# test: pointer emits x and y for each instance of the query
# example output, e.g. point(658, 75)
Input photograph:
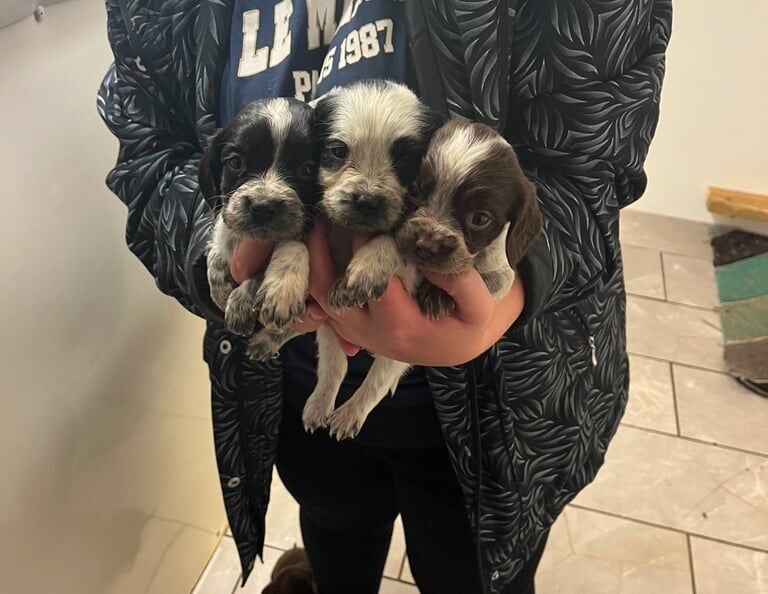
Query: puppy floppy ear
point(322, 111)
point(433, 121)
point(525, 221)
point(209, 173)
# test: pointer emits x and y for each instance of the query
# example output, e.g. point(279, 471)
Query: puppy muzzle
point(363, 212)
point(267, 210)
point(433, 245)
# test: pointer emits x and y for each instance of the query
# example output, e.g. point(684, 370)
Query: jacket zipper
point(477, 445)
point(582, 319)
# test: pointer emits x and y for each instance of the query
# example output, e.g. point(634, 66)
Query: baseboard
point(736, 204)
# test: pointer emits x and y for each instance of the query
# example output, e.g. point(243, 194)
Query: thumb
point(250, 257)
point(350, 350)
point(474, 303)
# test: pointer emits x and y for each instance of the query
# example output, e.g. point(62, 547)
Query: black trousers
point(349, 496)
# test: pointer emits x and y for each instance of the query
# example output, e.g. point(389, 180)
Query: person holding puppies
point(511, 403)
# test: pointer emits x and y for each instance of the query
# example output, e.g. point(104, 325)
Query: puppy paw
point(346, 294)
point(220, 292)
point(239, 314)
point(347, 420)
point(317, 411)
point(434, 302)
point(263, 346)
point(279, 303)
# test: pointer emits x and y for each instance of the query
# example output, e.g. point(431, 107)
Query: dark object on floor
point(741, 268)
point(738, 245)
point(292, 574)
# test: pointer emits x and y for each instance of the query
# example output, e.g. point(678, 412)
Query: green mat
point(745, 279)
point(741, 270)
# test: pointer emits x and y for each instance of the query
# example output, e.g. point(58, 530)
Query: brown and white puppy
point(259, 175)
point(471, 207)
point(373, 136)
point(292, 574)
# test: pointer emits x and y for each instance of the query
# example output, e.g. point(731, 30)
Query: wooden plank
point(743, 205)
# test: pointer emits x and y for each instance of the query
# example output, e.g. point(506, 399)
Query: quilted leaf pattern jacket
point(575, 87)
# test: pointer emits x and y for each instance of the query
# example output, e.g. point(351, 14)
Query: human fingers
point(250, 257)
point(350, 349)
point(397, 303)
point(312, 319)
point(474, 303)
point(322, 271)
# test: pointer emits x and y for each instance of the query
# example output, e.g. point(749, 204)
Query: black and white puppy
point(471, 207)
point(373, 136)
point(259, 174)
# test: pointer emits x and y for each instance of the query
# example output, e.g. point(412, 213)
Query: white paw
point(347, 293)
point(317, 411)
point(262, 346)
point(347, 420)
point(220, 292)
point(280, 303)
point(239, 314)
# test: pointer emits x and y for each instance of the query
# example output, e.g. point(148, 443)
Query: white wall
point(714, 110)
point(107, 472)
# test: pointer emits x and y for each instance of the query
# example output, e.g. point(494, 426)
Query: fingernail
point(317, 317)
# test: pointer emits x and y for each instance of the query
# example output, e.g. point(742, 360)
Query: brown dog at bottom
point(292, 574)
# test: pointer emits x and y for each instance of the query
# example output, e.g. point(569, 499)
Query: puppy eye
point(414, 190)
point(308, 170)
point(479, 220)
point(339, 150)
point(235, 162)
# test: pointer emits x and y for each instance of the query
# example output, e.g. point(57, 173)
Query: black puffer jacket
point(575, 87)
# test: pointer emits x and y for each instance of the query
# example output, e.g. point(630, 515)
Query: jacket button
point(495, 576)
point(225, 347)
point(467, 451)
point(234, 482)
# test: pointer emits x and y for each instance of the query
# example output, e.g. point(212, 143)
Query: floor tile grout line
point(199, 579)
point(663, 276)
point(697, 440)
point(668, 528)
point(399, 577)
point(398, 580)
point(708, 259)
point(402, 567)
point(275, 548)
point(674, 397)
point(676, 303)
point(189, 525)
point(678, 363)
point(690, 562)
point(625, 244)
point(237, 583)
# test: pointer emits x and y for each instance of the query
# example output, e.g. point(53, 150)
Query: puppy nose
point(367, 203)
point(432, 245)
point(262, 210)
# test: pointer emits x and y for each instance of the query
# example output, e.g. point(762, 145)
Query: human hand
point(250, 258)
point(395, 327)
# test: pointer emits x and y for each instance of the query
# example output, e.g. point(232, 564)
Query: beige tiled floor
point(681, 505)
